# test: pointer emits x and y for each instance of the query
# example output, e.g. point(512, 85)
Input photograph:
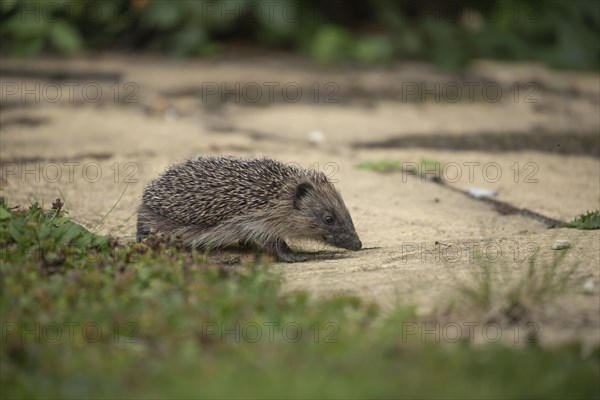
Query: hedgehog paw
point(284, 253)
point(292, 257)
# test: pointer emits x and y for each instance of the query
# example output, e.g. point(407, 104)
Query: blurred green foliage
point(84, 317)
point(449, 33)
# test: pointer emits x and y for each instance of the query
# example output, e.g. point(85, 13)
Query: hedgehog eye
point(328, 219)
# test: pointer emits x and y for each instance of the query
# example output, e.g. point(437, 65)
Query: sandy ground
point(94, 131)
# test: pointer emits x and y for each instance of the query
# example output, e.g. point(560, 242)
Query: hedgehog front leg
point(284, 253)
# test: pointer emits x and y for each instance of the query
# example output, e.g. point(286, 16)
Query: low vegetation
point(86, 317)
point(425, 169)
point(588, 220)
point(509, 296)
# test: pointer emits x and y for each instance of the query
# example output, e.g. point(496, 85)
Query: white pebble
point(316, 137)
point(560, 245)
point(170, 114)
point(588, 286)
point(480, 193)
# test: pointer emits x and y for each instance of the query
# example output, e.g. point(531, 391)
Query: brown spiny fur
point(221, 201)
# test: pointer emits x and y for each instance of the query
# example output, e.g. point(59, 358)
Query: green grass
point(156, 321)
point(424, 168)
point(588, 220)
point(380, 166)
point(510, 297)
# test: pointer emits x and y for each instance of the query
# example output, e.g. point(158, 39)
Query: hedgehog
point(222, 201)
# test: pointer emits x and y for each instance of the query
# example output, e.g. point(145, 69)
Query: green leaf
point(68, 232)
point(44, 231)
point(162, 15)
point(4, 214)
point(331, 43)
point(27, 25)
point(65, 38)
point(188, 41)
point(16, 230)
point(26, 47)
point(373, 49)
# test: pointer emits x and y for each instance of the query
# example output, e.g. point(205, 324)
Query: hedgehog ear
point(301, 190)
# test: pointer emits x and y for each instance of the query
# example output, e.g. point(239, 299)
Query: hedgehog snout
point(350, 241)
point(356, 245)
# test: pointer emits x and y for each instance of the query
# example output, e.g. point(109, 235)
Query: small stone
point(316, 137)
point(170, 114)
point(560, 245)
point(588, 286)
point(480, 193)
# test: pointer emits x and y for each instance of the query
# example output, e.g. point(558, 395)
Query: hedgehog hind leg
point(284, 253)
point(150, 222)
point(146, 221)
point(142, 231)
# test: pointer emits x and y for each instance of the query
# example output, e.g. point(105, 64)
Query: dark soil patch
point(587, 144)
